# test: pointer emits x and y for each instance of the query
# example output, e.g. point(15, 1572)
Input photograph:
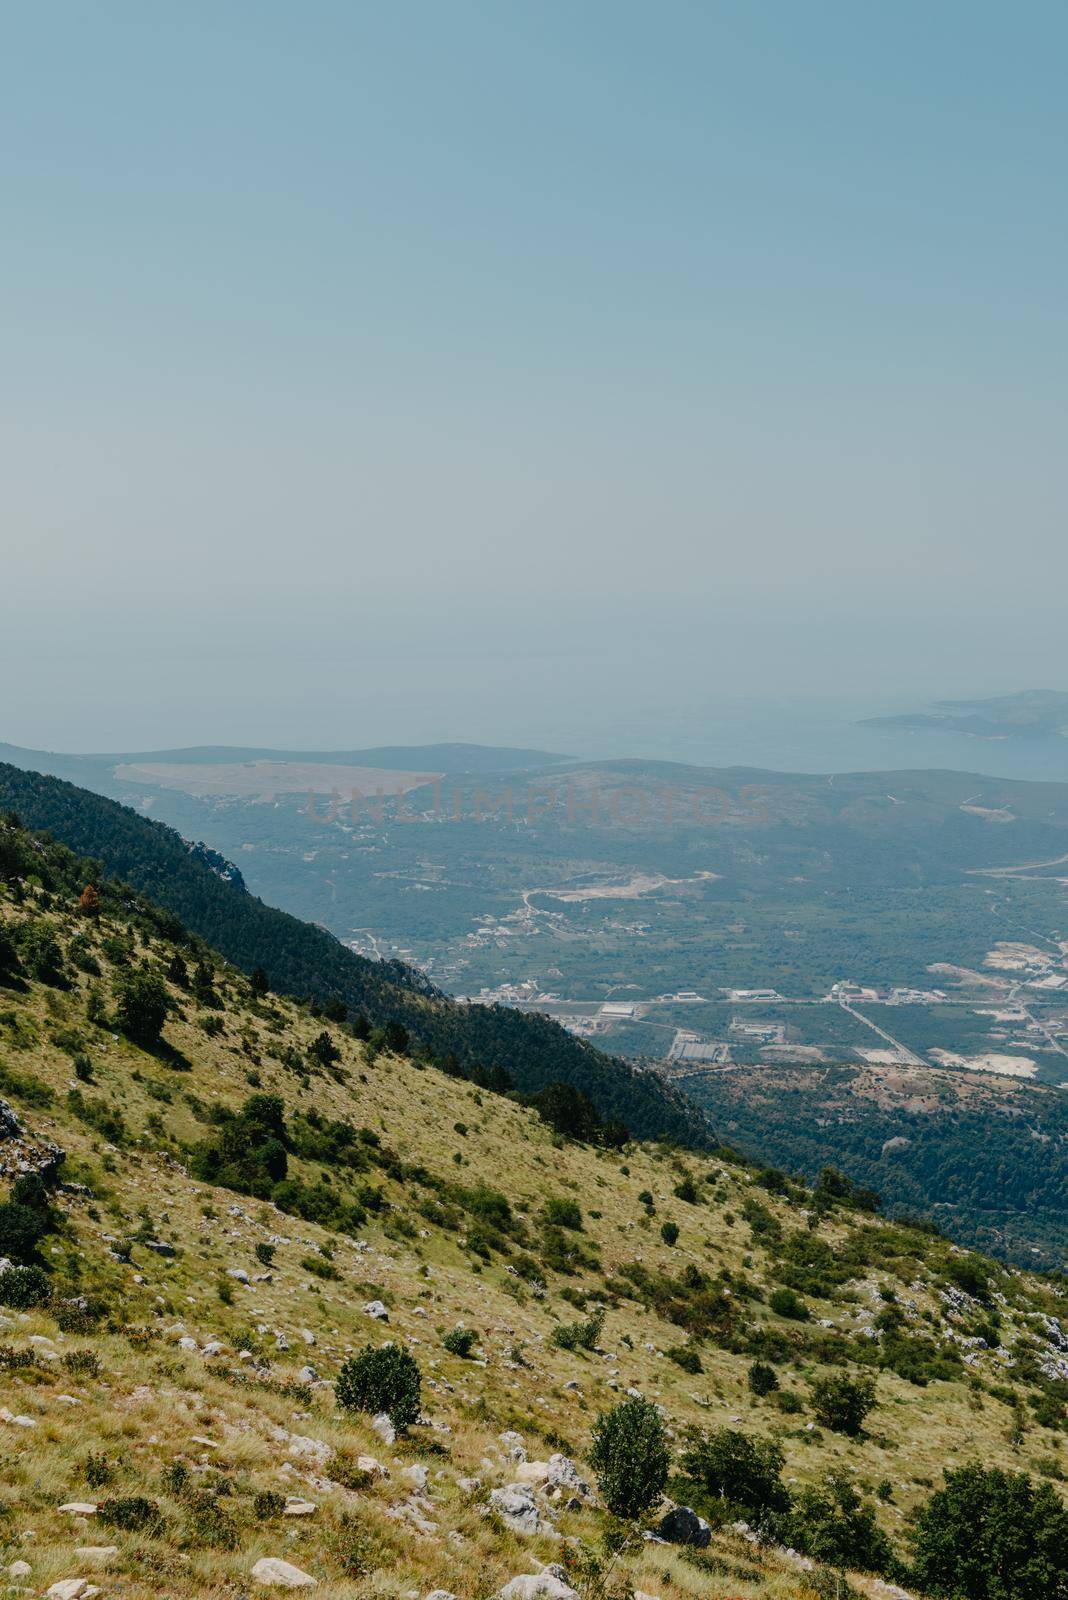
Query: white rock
point(516, 1508)
point(299, 1508)
point(97, 1555)
point(532, 1472)
point(307, 1335)
point(416, 1476)
point(272, 1570)
point(68, 1588)
point(237, 1272)
point(440, 1594)
point(537, 1586)
point(375, 1309)
point(80, 1508)
point(371, 1465)
point(384, 1428)
point(19, 1569)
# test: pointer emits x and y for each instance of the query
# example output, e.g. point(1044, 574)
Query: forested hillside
point(308, 962)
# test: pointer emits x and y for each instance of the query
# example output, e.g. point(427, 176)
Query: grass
point(153, 1403)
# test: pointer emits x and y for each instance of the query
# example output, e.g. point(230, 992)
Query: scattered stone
point(80, 1508)
point(382, 1425)
point(537, 1586)
point(516, 1508)
point(273, 1571)
point(375, 1309)
point(70, 1589)
point(160, 1247)
point(97, 1555)
point(299, 1508)
point(19, 1569)
point(416, 1476)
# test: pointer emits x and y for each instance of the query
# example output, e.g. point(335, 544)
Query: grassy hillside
point(235, 1193)
point(306, 961)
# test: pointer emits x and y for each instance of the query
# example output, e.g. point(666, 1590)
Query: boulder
point(683, 1526)
point(375, 1309)
point(276, 1573)
point(516, 1508)
point(97, 1555)
point(563, 1474)
point(532, 1472)
point(537, 1586)
point(383, 1426)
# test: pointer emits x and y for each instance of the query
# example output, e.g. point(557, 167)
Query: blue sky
point(725, 338)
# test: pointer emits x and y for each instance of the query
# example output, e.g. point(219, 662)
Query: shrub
point(831, 1523)
point(98, 1469)
point(21, 1230)
point(631, 1458)
point(24, 1287)
point(993, 1535)
point(460, 1342)
point(762, 1378)
point(131, 1513)
point(786, 1303)
point(842, 1403)
point(142, 1003)
point(208, 1524)
point(563, 1214)
point(579, 1335)
point(82, 1363)
point(727, 1464)
point(669, 1232)
point(686, 1357)
point(386, 1380)
point(265, 1253)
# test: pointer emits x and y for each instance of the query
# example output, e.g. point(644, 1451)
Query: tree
point(842, 1403)
point(631, 1458)
point(993, 1535)
point(762, 1378)
point(259, 982)
point(323, 1050)
point(89, 901)
point(567, 1111)
point(40, 952)
point(395, 1038)
point(730, 1465)
point(831, 1523)
point(386, 1380)
point(142, 1003)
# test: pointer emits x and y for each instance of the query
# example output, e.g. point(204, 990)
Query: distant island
point(1034, 714)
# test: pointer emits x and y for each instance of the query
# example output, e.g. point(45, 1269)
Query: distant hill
point(307, 961)
point(1034, 714)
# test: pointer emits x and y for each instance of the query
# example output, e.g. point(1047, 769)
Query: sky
point(525, 372)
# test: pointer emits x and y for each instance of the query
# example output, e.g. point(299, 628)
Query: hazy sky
point(382, 371)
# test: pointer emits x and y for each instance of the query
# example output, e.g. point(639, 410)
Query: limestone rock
point(516, 1508)
point(279, 1574)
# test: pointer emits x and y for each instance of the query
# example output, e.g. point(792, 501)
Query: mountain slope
point(309, 962)
point(205, 1284)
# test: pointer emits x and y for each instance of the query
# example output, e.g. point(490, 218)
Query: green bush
point(786, 1303)
point(579, 1335)
point(386, 1379)
point(132, 1513)
point(686, 1357)
point(21, 1288)
point(460, 1342)
point(727, 1464)
point(842, 1403)
point(563, 1214)
point(631, 1458)
point(831, 1523)
point(992, 1535)
point(669, 1232)
point(141, 1006)
point(762, 1378)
